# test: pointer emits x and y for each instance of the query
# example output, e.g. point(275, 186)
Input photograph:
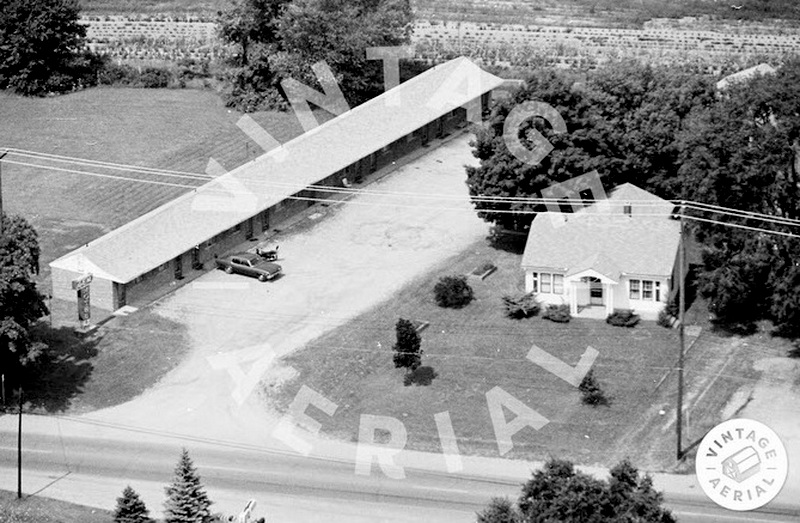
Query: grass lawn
point(475, 349)
point(163, 128)
point(34, 509)
point(127, 356)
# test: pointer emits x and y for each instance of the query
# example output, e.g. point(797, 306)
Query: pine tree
point(187, 501)
point(407, 349)
point(131, 508)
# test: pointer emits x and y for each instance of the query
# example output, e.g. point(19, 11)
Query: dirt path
point(347, 263)
point(775, 400)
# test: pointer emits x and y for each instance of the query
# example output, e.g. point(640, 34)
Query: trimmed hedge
point(453, 292)
point(622, 318)
point(521, 306)
point(557, 313)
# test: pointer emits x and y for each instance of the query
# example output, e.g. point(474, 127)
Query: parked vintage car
point(250, 265)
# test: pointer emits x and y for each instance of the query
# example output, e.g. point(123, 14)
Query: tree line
point(43, 49)
point(670, 131)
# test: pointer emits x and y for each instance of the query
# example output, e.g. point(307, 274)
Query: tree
point(407, 348)
point(187, 502)
point(40, 45)
point(281, 39)
point(131, 508)
point(453, 292)
point(501, 174)
point(500, 510)
point(248, 22)
point(339, 32)
point(744, 153)
point(591, 392)
point(623, 121)
point(21, 304)
point(558, 492)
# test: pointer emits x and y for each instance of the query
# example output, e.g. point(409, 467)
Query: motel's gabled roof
point(604, 239)
point(197, 216)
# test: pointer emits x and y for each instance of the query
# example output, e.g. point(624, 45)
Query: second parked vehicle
point(249, 265)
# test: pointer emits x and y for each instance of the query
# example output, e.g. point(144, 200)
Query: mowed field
point(179, 130)
point(497, 11)
point(478, 348)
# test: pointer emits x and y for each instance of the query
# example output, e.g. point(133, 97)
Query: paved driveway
point(357, 256)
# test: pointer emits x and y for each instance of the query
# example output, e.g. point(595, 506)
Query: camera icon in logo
point(742, 465)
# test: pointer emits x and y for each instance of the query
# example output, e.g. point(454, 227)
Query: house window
point(546, 282)
point(558, 284)
point(634, 294)
point(647, 290)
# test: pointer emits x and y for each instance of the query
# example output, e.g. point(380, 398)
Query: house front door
point(595, 292)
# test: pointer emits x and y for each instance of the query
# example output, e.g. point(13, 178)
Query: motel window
point(545, 278)
point(635, 290)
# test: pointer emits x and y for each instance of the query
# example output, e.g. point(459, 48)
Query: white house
point(619, 253)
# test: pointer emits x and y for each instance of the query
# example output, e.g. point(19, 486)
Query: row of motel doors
point(249, 230)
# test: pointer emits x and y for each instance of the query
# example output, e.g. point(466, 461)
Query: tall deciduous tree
point(251, 22)
point(131, 508)
point(21, 304)
point(501, 174)
point(283, 38)
point(623, 121)
point(744, 153)
point(187, 501)
point(40, 45)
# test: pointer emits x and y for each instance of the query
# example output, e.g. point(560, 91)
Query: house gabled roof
point(197, 216)
point(605, 239)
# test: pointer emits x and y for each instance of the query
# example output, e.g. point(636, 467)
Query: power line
point(749, 215)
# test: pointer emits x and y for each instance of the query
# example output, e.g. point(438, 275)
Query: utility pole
point(681, 320)
point(2, 155)
point(19, 448)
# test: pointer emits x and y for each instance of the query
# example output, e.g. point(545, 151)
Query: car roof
point(246, 255)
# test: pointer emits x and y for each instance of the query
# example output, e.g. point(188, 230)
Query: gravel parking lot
point(358, 255)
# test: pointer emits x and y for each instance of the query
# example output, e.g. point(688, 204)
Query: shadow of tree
point(61, 372)
point(423, 375)
point(510, 241)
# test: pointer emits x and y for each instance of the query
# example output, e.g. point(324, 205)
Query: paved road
point(287, 487)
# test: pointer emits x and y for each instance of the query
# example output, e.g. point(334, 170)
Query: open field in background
point(35, 509)
point(614, 13)
point(499, 11)
point(166, 129)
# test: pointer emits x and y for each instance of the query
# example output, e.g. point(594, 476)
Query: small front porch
point(593, 312)
point(591, 294)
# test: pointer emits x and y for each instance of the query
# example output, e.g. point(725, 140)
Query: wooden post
point(682, 320)
point(19, 448)
point(2, 155)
